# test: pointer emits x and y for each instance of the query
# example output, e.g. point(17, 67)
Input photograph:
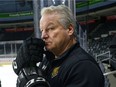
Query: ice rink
point(7, 76)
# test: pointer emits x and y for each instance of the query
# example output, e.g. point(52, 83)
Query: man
point(71, 66)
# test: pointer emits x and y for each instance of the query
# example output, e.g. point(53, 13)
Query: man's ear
point(70, 29)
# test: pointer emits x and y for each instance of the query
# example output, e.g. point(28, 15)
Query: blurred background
point(96, 26)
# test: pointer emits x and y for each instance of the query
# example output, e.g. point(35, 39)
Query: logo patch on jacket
point(55, 72)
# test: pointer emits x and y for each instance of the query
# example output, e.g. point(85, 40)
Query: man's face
point(56, 37)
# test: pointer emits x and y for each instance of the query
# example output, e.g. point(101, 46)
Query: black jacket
point(75, 68)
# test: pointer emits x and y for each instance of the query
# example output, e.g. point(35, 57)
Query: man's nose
point(44, 35)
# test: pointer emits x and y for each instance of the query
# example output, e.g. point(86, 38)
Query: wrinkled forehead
point(48, 19)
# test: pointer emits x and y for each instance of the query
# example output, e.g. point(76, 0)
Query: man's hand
point(25, 65)
point(30, 53)
point(30, 77)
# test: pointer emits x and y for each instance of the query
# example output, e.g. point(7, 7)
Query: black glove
point(49, 56)
point(29, 77)
point(29, 54)
point(29, 74)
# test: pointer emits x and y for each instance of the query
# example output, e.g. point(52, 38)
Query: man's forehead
point(47, 25)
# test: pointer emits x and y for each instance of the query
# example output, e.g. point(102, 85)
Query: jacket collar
point(61, 58)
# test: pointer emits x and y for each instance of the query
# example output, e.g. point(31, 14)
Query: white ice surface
point(7, 76)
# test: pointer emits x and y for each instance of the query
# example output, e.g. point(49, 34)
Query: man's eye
point(50, 29)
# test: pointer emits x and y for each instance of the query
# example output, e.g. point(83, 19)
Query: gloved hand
point(29, 74)
point(29, 54)
point(30, 77)
point(49, 56)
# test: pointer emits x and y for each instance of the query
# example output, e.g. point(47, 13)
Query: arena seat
point(112, 48)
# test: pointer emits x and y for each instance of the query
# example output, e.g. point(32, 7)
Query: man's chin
point(48, 48)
